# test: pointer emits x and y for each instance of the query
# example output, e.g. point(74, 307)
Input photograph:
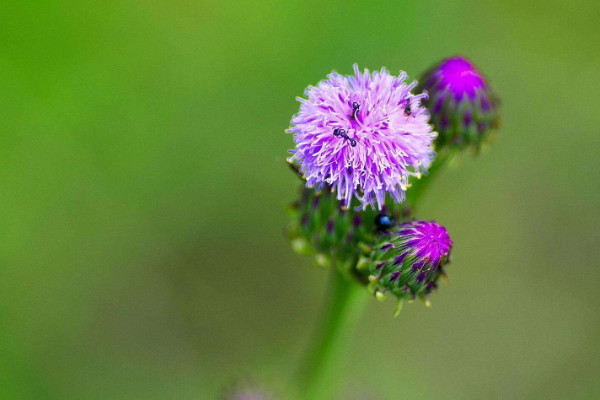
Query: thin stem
point(321, 367)
point(414, 194)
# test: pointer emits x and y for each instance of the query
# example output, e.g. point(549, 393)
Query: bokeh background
point(142, 253)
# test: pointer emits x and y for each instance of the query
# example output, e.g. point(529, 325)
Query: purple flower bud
point(463, 107)
point(421, 246)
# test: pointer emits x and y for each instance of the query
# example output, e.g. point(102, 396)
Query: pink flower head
point(362, 136)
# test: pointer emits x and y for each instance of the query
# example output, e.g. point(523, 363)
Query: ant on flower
point(355, 107)
point(342, 133)
point(407, 109)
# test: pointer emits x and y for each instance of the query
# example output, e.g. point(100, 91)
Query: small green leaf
point(399, 305)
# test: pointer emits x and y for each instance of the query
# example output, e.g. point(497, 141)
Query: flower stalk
point(341, 313)
point(419, 186)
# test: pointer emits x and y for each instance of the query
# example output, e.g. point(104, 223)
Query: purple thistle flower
point(420, 250)
point(362, 136)
point(463, 107)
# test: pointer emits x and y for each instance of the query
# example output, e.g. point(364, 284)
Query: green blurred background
point(142, 253)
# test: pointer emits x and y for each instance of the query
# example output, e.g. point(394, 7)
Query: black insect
point(342, 133)
point(407, 109)
point(383, 222)
point(355, 108)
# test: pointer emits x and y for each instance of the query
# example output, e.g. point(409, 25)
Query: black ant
point(355, 107)
point(407, 109)
point(342, 133)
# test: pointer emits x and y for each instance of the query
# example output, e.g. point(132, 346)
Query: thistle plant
point(365, 150)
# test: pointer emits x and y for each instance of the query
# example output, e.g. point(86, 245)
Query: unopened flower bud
point(409, 261)
point(324, 227)
point(463, 107)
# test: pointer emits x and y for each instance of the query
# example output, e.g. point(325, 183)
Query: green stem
point(418, 187)
point(321, 367)
point(346, 300)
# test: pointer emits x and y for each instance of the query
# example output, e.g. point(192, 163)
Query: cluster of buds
point(360, 140)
